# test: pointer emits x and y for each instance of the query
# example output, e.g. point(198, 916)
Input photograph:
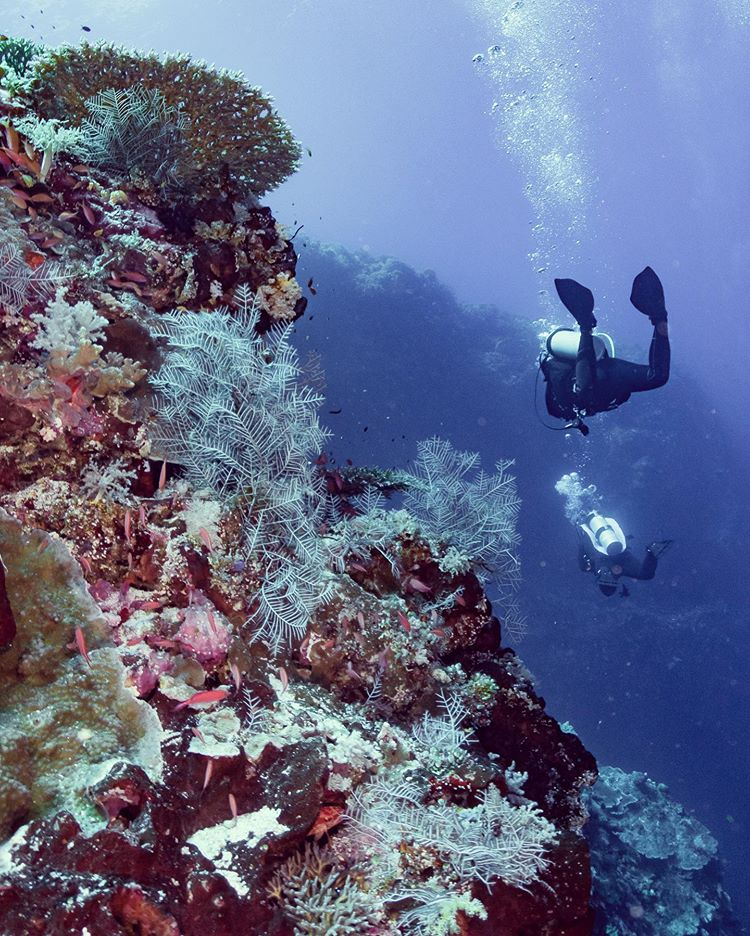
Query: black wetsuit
point(588, 386)
point(610, 569)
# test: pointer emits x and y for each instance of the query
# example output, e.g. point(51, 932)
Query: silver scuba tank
point(562, 344)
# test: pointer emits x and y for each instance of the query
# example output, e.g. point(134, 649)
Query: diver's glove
point(647, 295)
point(578, 300)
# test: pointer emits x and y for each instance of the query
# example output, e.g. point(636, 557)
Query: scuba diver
point(582, 374)
point(603, 550)
point(602, 546)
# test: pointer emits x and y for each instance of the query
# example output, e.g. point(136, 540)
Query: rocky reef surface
point(657, 869)
point(241, 692)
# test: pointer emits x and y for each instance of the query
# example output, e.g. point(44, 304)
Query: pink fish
point(81, 644)
point(203, 697)
point(206, 538)
point(233, 805)
point(207, 774)
point(236, 675)
point(419, 586)
point(88, 213)
point(134, 276)
point(404, 621)
point(284, 678)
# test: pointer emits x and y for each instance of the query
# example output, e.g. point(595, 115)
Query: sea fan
point(234, 415)
point(19, 283)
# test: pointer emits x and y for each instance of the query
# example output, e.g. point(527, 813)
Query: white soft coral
point(64, 327)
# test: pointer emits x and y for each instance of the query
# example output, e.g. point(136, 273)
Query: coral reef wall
point(241, 692)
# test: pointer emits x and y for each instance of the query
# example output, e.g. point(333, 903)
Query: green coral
point(15, 56)
point(231, 126)
point(62, 722)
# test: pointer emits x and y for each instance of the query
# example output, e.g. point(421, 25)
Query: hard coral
point(231, 123)
point(62, 716)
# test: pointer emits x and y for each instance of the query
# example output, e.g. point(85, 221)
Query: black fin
point(647, 295)
point(658, 548)
point(578, 300)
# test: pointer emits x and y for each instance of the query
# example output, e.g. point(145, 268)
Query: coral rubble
point(240, 694)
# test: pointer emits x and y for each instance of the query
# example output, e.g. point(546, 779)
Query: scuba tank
point(560, 353)
point(562, 344)
point(605, 534)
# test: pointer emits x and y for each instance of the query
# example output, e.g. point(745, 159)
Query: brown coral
point(231, 123)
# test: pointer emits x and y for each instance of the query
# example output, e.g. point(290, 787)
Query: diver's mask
point(605, 534)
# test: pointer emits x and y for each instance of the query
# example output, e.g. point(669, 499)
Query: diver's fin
point(647, 295)
point(658, 548)
point(578, 300)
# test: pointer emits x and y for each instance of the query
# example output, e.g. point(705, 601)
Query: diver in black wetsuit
point(594, 384)
point(603, 550)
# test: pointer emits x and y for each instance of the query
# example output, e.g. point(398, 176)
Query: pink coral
point(204, 635)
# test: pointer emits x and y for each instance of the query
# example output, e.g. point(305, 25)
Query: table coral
point(229, 122)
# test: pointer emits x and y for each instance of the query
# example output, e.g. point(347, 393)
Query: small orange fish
point(233, 805)
point(33, 259)
point(404, 621)
point(360, 619)
point(207, 774)
point(127, 525)
point(198, 734)
point(206, 538)
point(212, 621)
point(163, 475)
point(81, 644)
point(205, 696)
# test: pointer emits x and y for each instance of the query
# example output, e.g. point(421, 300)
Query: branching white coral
point(19, 282)
point(112, 482)
point(436, 909)
point(318, 895)
point(64, 327)
point(234, 415)
point(495, 839)
point(445, 739)
point(50, 137)
point(458, 505)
